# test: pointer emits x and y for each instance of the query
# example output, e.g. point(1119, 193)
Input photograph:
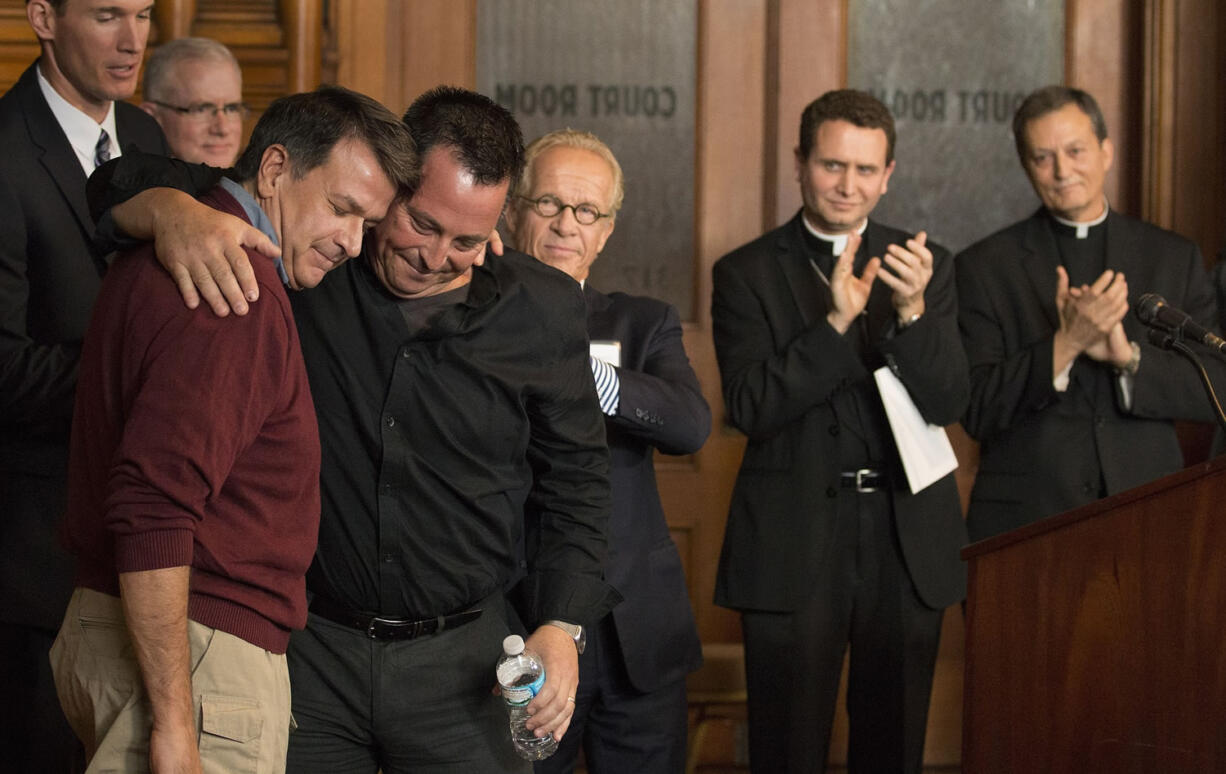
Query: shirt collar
point(256, 215)
point(81, 130)
point(837, 242)
point(1083, 229)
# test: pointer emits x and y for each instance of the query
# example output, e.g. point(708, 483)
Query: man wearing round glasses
point(630, 709)
point(194, 88)
point(567, 235)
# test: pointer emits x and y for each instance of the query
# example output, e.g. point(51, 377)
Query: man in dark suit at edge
point(826, 545)
point(63, 116)
point(630, 710)
point(1069, 400)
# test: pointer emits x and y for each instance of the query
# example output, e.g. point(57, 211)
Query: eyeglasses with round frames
point(550, 206)
point(207, 111)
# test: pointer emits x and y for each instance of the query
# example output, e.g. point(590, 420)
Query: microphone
point(1153, 310)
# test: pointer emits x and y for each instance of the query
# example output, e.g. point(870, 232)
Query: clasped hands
point(1091, 320)
point(908, 271)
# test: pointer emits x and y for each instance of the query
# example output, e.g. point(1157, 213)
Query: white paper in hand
point(926, 453)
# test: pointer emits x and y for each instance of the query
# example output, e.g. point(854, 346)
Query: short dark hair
point(858, 108)
point(484, 135)
point(1049, 99)
point(310, 124)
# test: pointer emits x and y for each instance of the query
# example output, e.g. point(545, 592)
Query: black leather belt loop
point(864, 480)
point(380, 628)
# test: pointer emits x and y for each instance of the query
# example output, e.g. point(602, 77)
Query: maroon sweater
point(194, 442)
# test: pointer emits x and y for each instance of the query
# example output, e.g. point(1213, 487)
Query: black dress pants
point(864, 600)
point(420, 706)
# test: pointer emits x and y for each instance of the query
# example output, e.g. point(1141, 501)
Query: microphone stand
point(1174, 342)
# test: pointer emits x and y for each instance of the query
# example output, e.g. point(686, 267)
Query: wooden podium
point(1096, 639)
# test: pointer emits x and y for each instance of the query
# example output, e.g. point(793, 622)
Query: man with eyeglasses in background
point(64, 115)
point(194, 89)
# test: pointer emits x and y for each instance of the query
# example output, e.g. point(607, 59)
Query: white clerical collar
point(1083, 229)
point(838, 242)
point(81, 130)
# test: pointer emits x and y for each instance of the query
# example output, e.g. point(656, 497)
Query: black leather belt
point(380, 628)
point(864, 480)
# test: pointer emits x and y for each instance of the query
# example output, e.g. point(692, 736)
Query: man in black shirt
point(453, 390)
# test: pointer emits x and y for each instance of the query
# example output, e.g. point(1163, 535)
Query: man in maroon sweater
point(193, 503)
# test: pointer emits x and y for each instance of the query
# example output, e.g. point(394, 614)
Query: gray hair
point(573, 138)
point(160, 67)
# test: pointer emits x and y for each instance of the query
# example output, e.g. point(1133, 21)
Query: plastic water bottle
point(522, 675)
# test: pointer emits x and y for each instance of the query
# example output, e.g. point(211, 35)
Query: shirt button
point(831, 492)
point(833, 429)
point(388, 558)
point(404, 353)
point(391, 421)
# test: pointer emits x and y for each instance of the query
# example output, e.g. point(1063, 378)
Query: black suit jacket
point(661, 407)
point(781, 364)
point(1034, 439)
point(48, 281)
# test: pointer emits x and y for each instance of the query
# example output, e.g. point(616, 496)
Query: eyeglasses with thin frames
point(207, 111)
point(549, 206)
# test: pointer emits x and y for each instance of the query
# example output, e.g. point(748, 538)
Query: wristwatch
point(907, 323)
point(576, 632)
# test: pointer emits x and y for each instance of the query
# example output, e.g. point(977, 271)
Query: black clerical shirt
point(435, 441)
point(863, 430)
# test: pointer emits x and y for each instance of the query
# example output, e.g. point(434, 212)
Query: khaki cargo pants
point(241, 693)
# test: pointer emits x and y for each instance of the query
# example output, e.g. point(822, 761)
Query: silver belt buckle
point(860, 475)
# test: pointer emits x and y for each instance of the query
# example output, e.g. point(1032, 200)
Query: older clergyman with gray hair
point(1069, 401)
point(194, 89)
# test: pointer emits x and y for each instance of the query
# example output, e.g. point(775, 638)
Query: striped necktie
point(608, 386)
point(102, 149)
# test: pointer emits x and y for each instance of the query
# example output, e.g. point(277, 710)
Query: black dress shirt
point(1092, 385)
point(435, 442)
point(863, 431)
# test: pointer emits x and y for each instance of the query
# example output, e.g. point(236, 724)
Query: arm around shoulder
point(202, 249)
